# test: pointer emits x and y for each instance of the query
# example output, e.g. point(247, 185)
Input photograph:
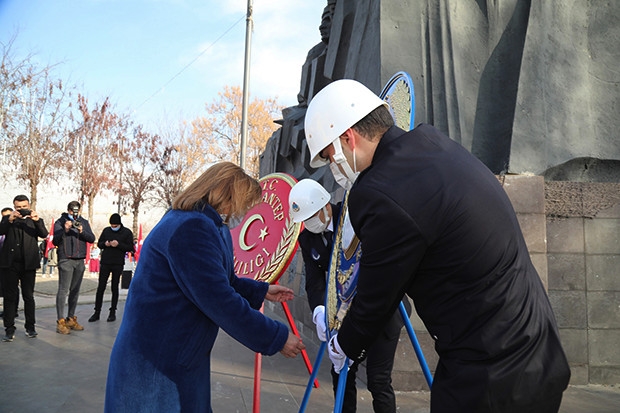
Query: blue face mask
point(115, 229)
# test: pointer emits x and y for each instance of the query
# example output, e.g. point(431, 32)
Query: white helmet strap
point(348, 175)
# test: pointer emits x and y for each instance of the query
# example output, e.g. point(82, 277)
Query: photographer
point(71, 233)
point(19, 260)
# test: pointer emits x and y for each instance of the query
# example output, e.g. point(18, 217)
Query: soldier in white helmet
point(310, 203)
point(435, 224)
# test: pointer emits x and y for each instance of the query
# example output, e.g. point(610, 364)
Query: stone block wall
point(527, 194)
point(583, 256)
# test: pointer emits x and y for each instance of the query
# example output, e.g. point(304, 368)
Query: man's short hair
point(6, 209)
point(20, 198)
point(376, 123)
point(74, 204)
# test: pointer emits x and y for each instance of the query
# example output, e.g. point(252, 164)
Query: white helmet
point(306, 198)
point(333, 110)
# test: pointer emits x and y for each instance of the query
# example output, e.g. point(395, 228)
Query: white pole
point(246, 86)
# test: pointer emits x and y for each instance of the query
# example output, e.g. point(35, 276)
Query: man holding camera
point(19, 260)
point(71, 233)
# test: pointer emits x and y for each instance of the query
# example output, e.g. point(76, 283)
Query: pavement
point(56, 373)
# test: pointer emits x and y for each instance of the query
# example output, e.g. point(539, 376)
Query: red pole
point(258, 361)
point(304, 354)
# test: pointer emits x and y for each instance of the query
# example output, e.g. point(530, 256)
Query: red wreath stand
point(264, 244)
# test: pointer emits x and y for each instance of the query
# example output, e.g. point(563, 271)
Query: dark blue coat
point(184, 289)
point(316, 250)
point(436, 224)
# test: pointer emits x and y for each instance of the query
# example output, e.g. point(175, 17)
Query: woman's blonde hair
point(224, 186)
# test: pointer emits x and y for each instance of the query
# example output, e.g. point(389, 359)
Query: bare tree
point(140, 171)
point(168, 182)
point(89, 158)
point(11, 82)
point(178, 164)
point(34, 118)
point(172, 175)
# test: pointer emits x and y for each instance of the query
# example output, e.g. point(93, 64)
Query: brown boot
point(61, 327)
point(73, 324)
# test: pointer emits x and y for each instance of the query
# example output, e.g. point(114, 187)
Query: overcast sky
point(166, 58)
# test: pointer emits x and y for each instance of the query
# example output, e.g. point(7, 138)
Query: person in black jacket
point(114, 242)
point(309, 203)
point(436, 224)
point(19, 260)
point(71, 233)
point(3, 212)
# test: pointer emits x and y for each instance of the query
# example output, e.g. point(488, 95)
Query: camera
point(24, 212)
point(76, 223)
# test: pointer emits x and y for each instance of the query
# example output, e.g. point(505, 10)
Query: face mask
point(234, 221)
point(115, 229)
point(315, 225)
point(344, 179)
point(340, 178)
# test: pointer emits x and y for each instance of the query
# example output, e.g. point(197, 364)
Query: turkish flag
point(139, 246)
point(50, 237)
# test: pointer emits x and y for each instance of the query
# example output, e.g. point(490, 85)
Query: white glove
point(318, 317)
point(336, 355)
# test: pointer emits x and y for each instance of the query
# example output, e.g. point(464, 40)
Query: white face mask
point(344, 179)
point(340, 178)
point(315, 225)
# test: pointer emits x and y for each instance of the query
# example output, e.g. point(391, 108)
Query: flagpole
point(246, 87)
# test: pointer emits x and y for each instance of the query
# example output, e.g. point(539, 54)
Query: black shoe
point(8, 337)
point(31, 333)
point(112, 316)
point(94, 317)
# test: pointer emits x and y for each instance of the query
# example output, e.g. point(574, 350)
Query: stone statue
point(528, 87)
point(286, 150)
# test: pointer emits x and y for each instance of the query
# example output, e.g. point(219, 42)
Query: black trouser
point(10, 281)
point(16, 297)
point(104, 273)
point(379, 366)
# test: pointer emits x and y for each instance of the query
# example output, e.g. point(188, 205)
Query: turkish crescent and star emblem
point(266, 240)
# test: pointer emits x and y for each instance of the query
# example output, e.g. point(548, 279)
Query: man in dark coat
point(71, 234)
point(114, 242)
point(19, 260)
point(436, 224)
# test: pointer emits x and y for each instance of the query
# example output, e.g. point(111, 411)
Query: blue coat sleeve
point(252, 290)
point(201, 264)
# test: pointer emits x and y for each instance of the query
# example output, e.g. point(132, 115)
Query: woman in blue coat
point(183, 291)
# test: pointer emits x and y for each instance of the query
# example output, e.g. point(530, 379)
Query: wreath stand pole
point(304, 354)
